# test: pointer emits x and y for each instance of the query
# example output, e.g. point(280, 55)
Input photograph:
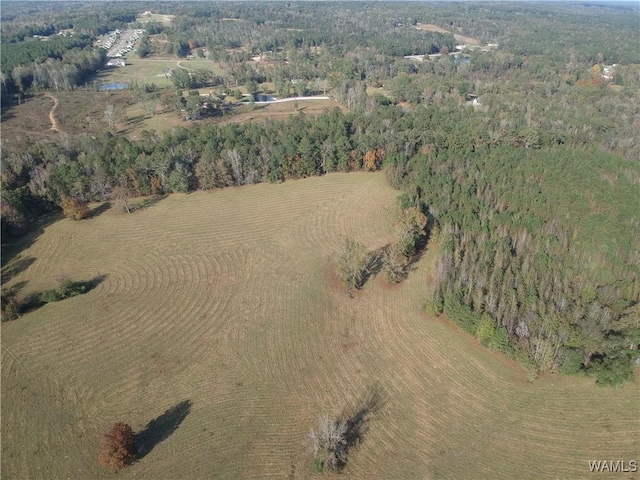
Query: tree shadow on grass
point(99, 210)
point(375, 264)
point(13, 244)
point(357, 417)
point(15, 266)
point(161, 428)
point(148, 202)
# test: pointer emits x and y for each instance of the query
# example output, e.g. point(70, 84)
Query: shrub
point(500, 341)
point(117, 447)
point(572, 363)
point(65, 289)
point(435, 303)
point(459, 313)
point(10, 306)
point(612, 369)
point(485, 329)
point(74, 208)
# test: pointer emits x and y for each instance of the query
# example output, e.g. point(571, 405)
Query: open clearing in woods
point(459, 38)
point(84, 112)
point(228, 300)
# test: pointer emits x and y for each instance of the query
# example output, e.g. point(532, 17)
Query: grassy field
point(155, 17)
point(140, 70)
point(459, 38)
point(140, 120)
point(151, 70)
point(222, 310)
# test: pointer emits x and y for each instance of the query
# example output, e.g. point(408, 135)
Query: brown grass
point(78, 111)
point(82, 111)
point(221, 298)
point(280, 110)
point(166, 120)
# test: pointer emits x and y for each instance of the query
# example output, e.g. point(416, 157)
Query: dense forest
point(533, 193)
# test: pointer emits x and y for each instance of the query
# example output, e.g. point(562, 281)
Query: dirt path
point(183, 67)
point(54, 123)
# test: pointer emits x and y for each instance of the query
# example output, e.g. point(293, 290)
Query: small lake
point(113, 86)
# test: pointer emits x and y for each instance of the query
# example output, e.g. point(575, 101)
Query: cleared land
point(84, 112)
point(150, 70)
point(155, 17)
point(459, 38)
point(228, 300)
point(77, 111)
point(139, 119)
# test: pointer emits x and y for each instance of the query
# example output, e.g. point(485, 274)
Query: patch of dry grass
point(459, 38)
point(78, 111)
point(156, 17)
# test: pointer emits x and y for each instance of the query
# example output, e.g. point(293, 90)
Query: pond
point(264, 98)
point(113, 86)
point(460, 59)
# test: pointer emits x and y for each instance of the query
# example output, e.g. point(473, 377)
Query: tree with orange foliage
point(74, 208)
point(117, 447)
point(373, 159)
point(370, 161)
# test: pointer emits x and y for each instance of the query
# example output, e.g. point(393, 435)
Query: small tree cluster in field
point(394, 264)
point(410, 230)
point(352, 264)
point(74, 208)
point(9, 304)
point(65, 289)
point(329, 444)
point(117, 448)
point(13, 305)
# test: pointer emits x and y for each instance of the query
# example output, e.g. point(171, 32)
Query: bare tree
point(235, 160)
point(110, 116)
point(123, 193)
point(329, 444)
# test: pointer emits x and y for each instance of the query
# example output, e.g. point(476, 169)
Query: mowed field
point(223, 309)
point(460, 38)
point(147, 70)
